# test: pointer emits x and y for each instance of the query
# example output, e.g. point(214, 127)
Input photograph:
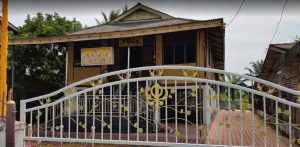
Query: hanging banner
point(97, 56)
point(134, 41)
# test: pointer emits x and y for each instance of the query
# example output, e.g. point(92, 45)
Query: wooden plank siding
point(152, 54)
point(140, 14)
point(286, 74)
point(77, 73)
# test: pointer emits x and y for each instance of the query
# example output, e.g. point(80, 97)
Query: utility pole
point(3, 59)
point(10, 114)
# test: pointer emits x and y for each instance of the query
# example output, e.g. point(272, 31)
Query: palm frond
point(125, 8)
point(104, 16)
point(98, 22)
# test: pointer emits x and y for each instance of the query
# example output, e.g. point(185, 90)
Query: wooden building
point(149, 36)
point(155, 38)
point(282, 66)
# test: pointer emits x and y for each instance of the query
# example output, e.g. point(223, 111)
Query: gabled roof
point(274, 51)
point(130, 24)
point(140, 12)
point(139, 17)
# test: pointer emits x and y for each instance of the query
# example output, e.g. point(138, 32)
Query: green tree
point(236, 81)
point(39, 65)
point(255, 68)
point(45, 62)
point(112, 15)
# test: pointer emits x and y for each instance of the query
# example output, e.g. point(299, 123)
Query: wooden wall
point(287, 74)
point(140, 15)
point(203, 50)
point(74, 73)
point(156, 47)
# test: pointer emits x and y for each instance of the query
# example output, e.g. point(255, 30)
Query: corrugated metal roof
point(287, 46)
point(273, 51)
point(132, 25)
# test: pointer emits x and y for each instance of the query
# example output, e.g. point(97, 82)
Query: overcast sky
point(246, 38)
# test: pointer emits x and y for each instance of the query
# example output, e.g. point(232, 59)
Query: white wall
point(19, 134)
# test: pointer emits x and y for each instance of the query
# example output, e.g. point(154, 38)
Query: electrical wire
point(278, 23)
point(237, 12)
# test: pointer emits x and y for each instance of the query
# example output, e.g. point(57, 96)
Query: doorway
point(136, 57)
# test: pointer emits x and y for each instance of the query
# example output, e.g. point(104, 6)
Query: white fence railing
point(156, 109)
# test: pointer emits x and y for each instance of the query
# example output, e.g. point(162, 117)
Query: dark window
point(190, 52)
point(179, 54)
point(168, 54)
point(179, 48)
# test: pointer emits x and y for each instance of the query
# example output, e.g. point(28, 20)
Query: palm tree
point(255, 68)
point(236, 81)
point(112, 15)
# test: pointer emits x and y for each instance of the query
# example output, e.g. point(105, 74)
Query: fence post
point(206, 113)
point(22, 111)
point(10, 123)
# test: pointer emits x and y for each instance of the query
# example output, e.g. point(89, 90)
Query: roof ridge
point(283, 43)
point(190, 19)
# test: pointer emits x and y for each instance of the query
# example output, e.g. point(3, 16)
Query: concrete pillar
point(207, 107)
point(19, 134)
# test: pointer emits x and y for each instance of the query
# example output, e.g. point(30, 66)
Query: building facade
point(154, 38)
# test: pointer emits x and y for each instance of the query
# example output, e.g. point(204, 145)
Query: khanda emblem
point(156, 95)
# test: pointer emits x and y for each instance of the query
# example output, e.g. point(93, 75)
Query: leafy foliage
point(112, 15)
point(255, 68)
point(44, 62)
point(232, 80)
point(39, 68)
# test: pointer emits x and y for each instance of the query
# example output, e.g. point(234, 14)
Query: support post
point(207, 107)
point(10, 123)
point(3, 57)
point(128, 57)
point(22, 111)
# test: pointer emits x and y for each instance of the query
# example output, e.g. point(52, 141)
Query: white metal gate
point(160, 106)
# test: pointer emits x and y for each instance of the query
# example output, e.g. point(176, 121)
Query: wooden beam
point(70, 63)
point(120, 34)
point(158, 49)
point(200, 53)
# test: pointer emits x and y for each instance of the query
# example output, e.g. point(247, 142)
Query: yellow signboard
point(135, 41)
point(97, 56)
